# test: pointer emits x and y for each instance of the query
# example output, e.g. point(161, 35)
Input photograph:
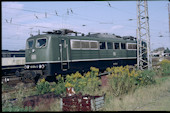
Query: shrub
point(87, 83)
point(121, 80)
point(42, 86)
point(165, 61)
point(75, 81)
point(92, 81)
point(165, 67)
point(146, 77)
point(58, 88)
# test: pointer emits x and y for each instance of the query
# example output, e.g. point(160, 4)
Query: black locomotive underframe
point(53, 69)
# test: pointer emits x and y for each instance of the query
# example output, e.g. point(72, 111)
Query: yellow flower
point(94, 69)
point(42, 80)
point(165, 61)
point(52, 89)
point(108, 69)
point(96, 73)
point(68, 76)
point(77, 75)
point(140, 78)
point(68, 85)
point(136, 74)
point(87, 74)
point(59, 77)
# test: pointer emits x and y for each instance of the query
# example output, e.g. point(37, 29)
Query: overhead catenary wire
point(76, 14)
point(71, 15)
point(56, 14)
point(28, 25)
point(36, 26)
point(155, 29)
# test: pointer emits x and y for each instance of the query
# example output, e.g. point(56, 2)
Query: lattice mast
point(169, 16)
point(143, 36)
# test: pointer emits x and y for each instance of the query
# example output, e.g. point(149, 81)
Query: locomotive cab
point(46, 52)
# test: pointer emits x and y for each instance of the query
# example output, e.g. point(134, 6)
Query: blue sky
point(97, 16)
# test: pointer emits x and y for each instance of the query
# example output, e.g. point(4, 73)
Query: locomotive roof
point(67, 33)
point(99, 37)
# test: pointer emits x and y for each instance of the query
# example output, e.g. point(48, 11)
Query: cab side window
point(41, 43)
point(117, 46)
point(123, 45)
point(102, 45)
point(109, 45)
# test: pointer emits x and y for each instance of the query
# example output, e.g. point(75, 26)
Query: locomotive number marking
point(33, 57)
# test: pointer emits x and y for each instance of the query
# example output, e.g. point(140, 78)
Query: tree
point(167, 50)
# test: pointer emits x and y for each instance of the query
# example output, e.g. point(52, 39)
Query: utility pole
point(169, 16)
point(144, 60)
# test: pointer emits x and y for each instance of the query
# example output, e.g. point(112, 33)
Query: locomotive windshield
point(30, 43)
point(41, 42)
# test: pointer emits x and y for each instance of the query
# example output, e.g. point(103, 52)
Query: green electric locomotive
point(61, 52)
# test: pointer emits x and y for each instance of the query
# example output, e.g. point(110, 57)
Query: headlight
point(41, 66)
point(26, 66)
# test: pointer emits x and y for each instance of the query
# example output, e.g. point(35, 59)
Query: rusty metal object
point(39, 99)
point(104, 81)
point(81, 102)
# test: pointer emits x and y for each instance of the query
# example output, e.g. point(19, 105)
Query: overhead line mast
point(144, 60)
point(169, 16)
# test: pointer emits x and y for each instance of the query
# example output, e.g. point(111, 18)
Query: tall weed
point(42, 86)
point(165, 67)
point(87, 83)
point(146, 77)
point(122, 80)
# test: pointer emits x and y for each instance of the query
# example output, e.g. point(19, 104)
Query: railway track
point(13, 80)
point(9, 79)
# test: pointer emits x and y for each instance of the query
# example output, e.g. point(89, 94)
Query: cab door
point(64, 54)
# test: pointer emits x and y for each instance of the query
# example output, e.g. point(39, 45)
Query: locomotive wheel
point(27, 77)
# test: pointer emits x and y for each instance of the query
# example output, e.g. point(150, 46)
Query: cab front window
point(30, 44)
point(41, 42)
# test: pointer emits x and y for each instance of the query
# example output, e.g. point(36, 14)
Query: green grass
point(153, 97)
